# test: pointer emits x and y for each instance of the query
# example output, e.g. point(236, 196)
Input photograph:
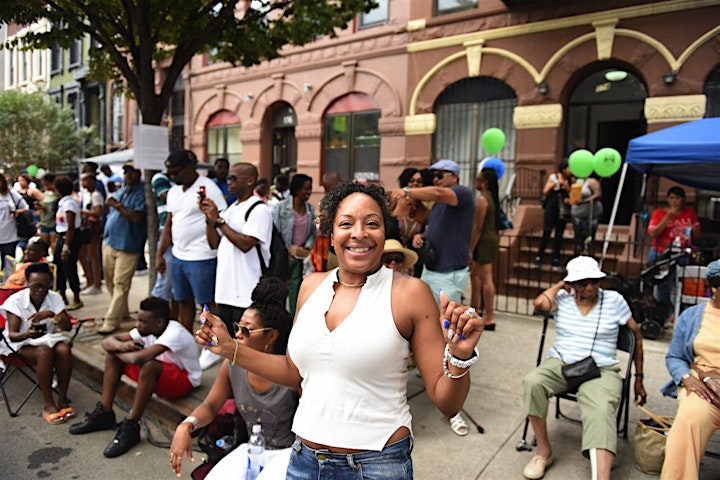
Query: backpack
point(279, 258)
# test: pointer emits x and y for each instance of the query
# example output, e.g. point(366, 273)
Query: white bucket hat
point(580, 268)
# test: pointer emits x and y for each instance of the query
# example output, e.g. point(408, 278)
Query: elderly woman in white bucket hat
point(587, 322)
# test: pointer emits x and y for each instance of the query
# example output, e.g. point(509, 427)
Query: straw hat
point(393, 246)
point(580, 268)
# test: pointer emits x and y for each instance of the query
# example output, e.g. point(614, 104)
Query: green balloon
point(581, 163)
point(32, 170)
point(606, 162)
point(492, 140)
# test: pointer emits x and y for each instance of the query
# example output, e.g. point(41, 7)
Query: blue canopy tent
point(688, 153)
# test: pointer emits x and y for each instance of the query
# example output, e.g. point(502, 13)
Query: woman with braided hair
point(264, 326)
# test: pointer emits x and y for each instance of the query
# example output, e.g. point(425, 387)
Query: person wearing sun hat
point(587, 322)
point(397, 257)
point(694, 344)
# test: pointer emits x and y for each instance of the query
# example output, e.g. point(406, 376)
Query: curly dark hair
point(406, 175)
point(38, 267)
point(268, 300)
point(330, 202)
point(63, 185)
point(297, 183)
point(158, 307)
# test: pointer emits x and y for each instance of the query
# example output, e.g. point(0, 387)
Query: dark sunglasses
point(398, 258)
point(584, 283)
point(246, 332)
point(39, 286)
point(439, 175)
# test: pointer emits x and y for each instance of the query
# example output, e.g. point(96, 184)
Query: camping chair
point(625, 343)
point(690, 288)
point(13, 362)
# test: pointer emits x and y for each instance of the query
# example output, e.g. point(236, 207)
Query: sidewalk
point(495, 401)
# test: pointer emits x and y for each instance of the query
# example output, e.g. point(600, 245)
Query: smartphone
point(40, 327)
point(201, 193)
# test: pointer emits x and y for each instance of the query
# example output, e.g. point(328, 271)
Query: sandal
point(68, 412)
point(458, 425)
point(56, 418)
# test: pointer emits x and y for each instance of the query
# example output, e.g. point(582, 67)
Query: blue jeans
point(392, 463)
point(163, 283)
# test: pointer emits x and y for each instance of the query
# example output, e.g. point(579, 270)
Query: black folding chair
point(626, 343)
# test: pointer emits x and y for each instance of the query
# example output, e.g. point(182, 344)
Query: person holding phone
point(193, 261)
point(35, 318)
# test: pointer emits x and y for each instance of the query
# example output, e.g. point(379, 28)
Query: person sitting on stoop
point(160, 355)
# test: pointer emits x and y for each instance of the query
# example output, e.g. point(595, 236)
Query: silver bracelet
point(192, 420)
point(448, 357)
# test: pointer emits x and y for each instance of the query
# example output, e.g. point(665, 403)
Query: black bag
point(24, 223)
point(505, 223)
point(543, 200)
point(580, 372)
point(427, 254)
point(228, 426)
point(279, 265)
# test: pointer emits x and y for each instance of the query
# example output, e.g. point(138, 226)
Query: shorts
point(194, 279)
point(163, 283)
point(453, 284)
point(173, 382)
point(47, 230)
point(393, 462)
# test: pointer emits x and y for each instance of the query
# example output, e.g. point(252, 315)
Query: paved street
point(39, 450)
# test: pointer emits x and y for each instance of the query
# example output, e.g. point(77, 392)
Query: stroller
point(638, 292)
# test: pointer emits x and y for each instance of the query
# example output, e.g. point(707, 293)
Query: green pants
point(597, 400)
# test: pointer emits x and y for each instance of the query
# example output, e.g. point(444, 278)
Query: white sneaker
point(91, 290)
point(208, 359)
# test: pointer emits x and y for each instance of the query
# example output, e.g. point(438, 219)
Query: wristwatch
point(219, 222)
point(407, 193)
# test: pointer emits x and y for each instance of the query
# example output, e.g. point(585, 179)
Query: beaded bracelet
point(448, 357)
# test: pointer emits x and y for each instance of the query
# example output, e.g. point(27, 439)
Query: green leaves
point(35, 130)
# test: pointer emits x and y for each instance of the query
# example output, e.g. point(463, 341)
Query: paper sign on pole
point(151, 146)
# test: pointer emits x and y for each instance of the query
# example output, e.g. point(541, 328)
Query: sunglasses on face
point(439, 175)
point(415, 180)
point(246, 332)
point(388, 258)
point(39, 286)
point(588, 281)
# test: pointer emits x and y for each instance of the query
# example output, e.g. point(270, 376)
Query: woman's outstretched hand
point(213, 333)
point(461, 325)
point(181, 445)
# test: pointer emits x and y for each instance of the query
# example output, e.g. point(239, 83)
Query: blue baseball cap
point(713, 270)
point(446, 165)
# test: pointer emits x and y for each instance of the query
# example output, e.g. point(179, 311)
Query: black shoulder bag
point(586, 369)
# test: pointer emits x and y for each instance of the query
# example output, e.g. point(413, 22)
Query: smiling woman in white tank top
point(354, 331)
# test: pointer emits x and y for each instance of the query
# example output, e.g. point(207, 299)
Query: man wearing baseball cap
point(450, 225)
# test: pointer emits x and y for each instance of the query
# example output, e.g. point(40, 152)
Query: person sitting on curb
point(160, 355)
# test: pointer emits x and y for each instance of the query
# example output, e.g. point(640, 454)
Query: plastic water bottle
point(256, 453)
point(224, 443)
point(676, 244)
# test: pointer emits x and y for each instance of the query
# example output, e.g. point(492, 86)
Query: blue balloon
point(495, 163)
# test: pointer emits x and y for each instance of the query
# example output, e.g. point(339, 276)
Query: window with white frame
point(376, 16)
point(224, 141)
point(11, 67)
point(75, 54)
point(25, 73)
point(449, 6)
point(56, 59)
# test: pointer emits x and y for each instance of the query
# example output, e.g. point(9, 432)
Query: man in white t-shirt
point(194, 262)
point(160, 355)
point(237, 241)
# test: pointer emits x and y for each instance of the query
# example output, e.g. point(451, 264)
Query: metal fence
point(518, 280)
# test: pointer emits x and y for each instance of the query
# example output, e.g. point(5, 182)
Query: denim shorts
point(194, 279)
point(392, 463)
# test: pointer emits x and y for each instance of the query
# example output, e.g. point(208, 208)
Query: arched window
point(223, 137)
point(351, 138)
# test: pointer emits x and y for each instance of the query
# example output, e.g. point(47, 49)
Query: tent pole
point(609, 230)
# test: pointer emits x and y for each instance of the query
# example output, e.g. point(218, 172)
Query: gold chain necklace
point(351, 285)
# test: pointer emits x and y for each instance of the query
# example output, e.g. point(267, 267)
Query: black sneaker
point(555, 263)
point(127, 436)
point(98, 419)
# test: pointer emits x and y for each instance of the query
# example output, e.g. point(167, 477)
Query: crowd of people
point(329, 388)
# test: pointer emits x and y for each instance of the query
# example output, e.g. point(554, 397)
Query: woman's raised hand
point(461, 325)
point(213, 333)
